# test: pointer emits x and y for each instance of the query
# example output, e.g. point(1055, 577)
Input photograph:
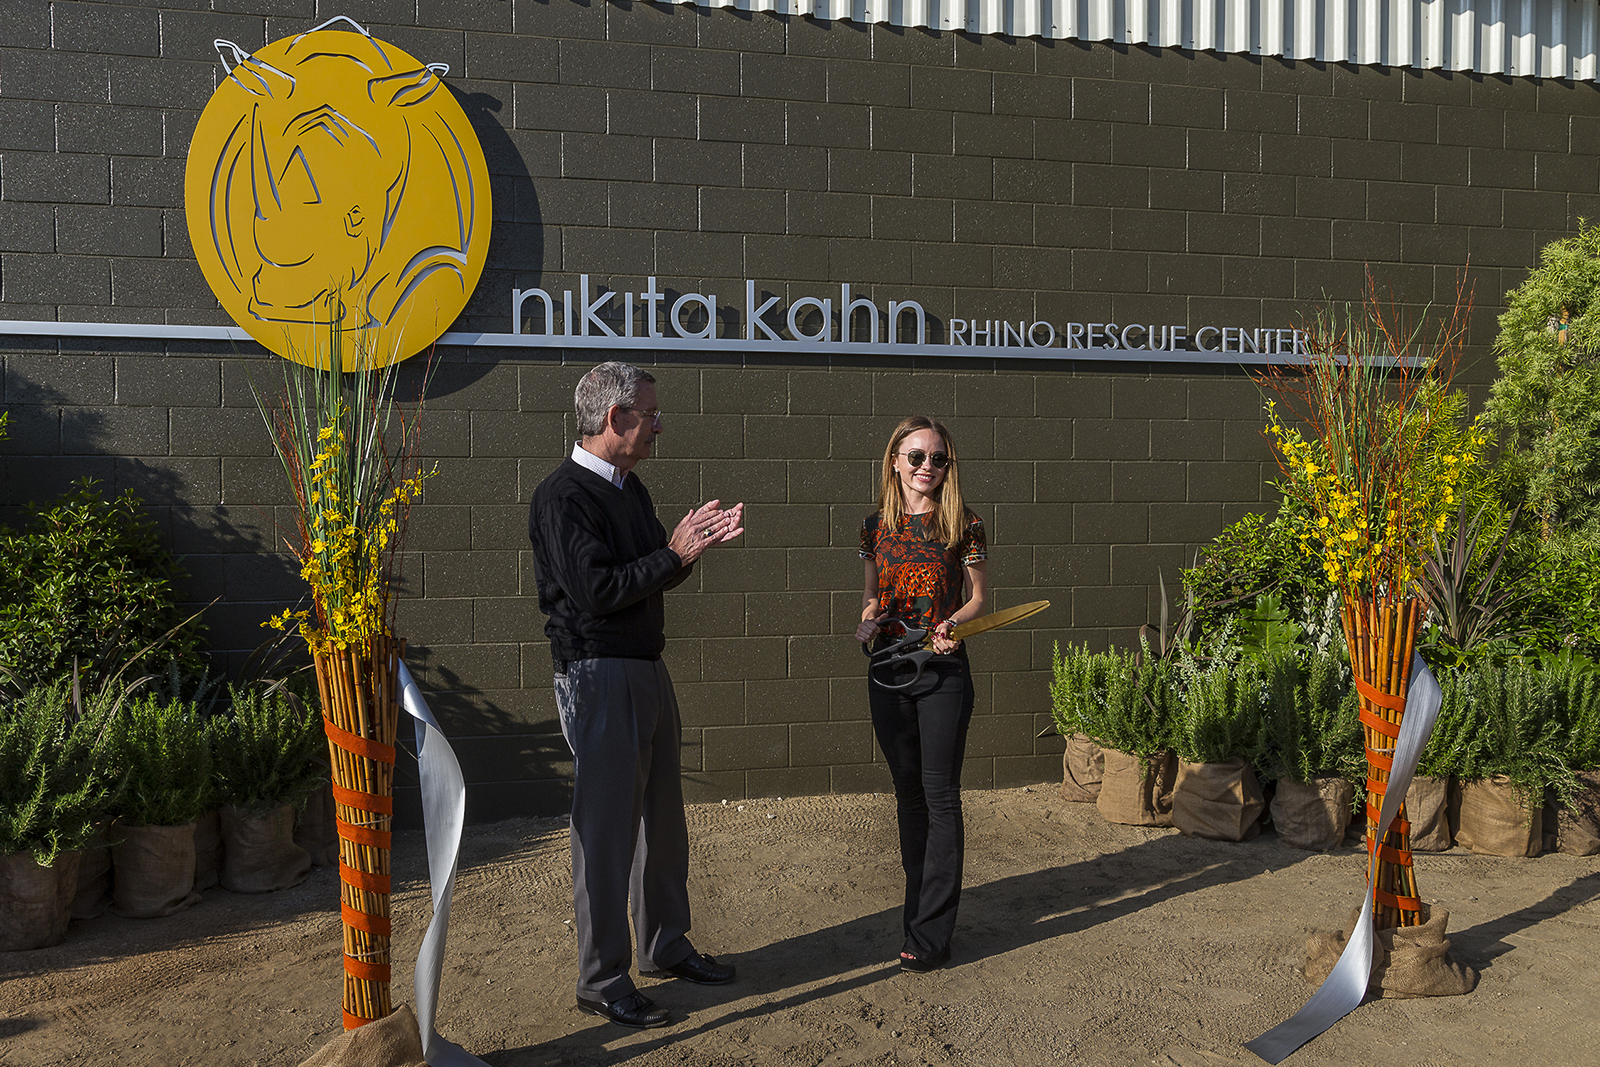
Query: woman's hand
point(943, 643)
point(869, 626)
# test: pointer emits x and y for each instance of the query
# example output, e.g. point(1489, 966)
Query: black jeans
point(923, 734)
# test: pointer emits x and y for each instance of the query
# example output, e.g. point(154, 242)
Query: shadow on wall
point(60, 432)
point(511, 751)
point(50, 442)
point(516, 242)
point(515, 757)
point(516, 257)
point(63, 429)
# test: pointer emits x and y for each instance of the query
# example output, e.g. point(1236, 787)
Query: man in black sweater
point(602, 562)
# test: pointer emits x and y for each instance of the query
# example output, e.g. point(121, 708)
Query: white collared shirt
point(598, 465)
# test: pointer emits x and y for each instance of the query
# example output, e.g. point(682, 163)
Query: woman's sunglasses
point(916, 457)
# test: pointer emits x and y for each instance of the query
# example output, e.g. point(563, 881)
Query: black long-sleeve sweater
point(601, 563)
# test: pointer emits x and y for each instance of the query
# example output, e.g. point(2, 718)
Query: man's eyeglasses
point(917, 457)
point(650, 414)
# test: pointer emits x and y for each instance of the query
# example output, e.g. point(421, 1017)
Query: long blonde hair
point(947, 522)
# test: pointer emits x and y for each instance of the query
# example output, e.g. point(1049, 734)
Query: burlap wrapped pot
point(35, 901)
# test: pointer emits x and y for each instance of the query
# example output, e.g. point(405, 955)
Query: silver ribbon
point(444, 811)
point(1346, 985)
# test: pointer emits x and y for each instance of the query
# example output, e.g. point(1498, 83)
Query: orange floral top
point(919, 579)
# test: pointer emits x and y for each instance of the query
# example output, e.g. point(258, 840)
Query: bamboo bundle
point(1381, 634)
point(360, 713)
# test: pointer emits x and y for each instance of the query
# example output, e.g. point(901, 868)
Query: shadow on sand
point(1481, 945)
point(997, 917)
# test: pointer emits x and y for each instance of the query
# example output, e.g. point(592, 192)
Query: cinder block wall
point(979, 176)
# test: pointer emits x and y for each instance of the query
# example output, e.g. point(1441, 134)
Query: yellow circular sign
point(333, 179)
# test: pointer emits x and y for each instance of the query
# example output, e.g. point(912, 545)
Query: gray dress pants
point(629, 839)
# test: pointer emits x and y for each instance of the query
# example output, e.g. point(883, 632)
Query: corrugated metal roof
point(1536, 38)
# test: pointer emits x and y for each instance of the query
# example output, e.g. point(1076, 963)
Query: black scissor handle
point(917, 659)
point(906, 652)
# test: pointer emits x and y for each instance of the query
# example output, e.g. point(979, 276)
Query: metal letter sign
point(334, 177)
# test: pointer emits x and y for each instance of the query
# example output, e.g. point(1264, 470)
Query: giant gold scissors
point(915, 647)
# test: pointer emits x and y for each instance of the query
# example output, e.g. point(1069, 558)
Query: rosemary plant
point(270, 750)
point(1575, 681)
point(163, 748)
point(1219, 711)
point(1115, 699)
point(1311, 716)
point(55, 776)
point(1503, 720)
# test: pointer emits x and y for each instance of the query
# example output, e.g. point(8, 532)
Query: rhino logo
point(332, 177)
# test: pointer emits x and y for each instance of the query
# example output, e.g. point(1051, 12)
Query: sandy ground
point(1080, 942)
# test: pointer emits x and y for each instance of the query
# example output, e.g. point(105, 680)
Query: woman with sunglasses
point(924, 552)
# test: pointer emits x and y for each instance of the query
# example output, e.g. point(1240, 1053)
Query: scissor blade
point(997, 619)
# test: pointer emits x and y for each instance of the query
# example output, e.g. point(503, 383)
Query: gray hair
point(608, 384)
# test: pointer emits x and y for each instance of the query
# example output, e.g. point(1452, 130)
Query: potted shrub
point(1508, 749)
point(1083, 770)
point(1474, 616)
point(1314, 746)
point(86, 592)
point(205, 692)
point(271, 756)
point(209, 694)
point(1218, 733)
point(54, 786)
point(1574, 685)
point(164, 753)
point(1433, 803)
point(1124, 703)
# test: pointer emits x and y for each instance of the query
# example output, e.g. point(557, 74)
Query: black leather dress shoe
point(635, 1009)
point(698, 968)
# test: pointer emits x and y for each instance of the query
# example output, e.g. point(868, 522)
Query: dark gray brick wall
point(1025, 178)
